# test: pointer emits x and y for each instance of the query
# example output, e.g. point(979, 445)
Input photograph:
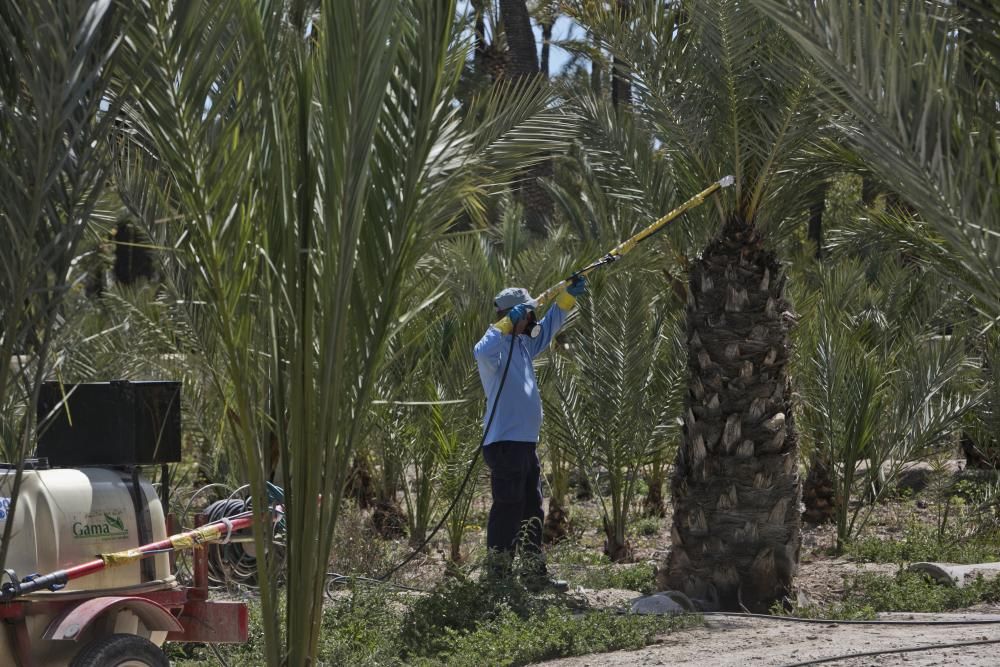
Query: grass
point(592, 569)
point(510, 640)
point(360, 629)
point(638, 577)
point(647, 526)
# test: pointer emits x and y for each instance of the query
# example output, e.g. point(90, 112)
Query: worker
point(510, 443)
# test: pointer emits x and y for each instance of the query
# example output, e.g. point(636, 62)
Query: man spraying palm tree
point(514, 416)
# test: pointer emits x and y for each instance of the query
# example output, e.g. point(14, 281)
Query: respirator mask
point(534, 329)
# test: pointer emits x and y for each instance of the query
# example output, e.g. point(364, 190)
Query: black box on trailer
point(110, 423)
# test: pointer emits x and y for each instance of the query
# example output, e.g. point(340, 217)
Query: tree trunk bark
point(360, 484)
point(621, 87)
point(818, 494)
point(616, 547)
point(736, 529)
point(596, 65)
point(546, 44)
point(556, 526)
point(523, 63)
point(653, 504)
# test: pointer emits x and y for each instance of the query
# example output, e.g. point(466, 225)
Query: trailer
point(89, 577)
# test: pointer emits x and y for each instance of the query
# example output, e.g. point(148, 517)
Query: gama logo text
point(101, 525)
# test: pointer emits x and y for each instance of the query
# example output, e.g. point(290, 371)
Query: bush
point(362, 629)
point(458, 606)
point(647, 526)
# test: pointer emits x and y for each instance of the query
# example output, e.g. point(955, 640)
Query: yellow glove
point(565, 300)
point(505, 326)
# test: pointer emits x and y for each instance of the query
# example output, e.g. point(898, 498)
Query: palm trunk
point(818, 494)
point(621, 87)
point(736, 525)
point(653, 504)
point(524, 64)
point(556, 525)
point(360, 485)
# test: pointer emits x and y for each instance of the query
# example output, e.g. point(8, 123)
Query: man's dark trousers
point(516, 482)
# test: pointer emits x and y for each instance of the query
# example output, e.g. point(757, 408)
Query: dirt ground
point(732, 641)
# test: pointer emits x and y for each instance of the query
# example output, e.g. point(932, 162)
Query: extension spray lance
point(629, 244)
point(612, 256)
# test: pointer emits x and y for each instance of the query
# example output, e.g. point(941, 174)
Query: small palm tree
point(879, 385)
point(617, 392)
point(920, 81)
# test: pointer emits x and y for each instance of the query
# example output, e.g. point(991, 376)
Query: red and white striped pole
point(216, 531)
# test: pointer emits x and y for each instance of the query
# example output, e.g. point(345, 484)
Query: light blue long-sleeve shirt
point(519, 413)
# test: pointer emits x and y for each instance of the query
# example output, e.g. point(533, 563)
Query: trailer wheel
point(120, 650)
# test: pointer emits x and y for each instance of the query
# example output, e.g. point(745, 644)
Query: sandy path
point(729, 641)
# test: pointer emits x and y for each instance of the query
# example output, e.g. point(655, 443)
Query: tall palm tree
point(523, 64)
point(299, 159)
point(712, 97)
point(56, 61)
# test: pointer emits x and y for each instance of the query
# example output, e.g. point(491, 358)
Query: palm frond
point(920, 87)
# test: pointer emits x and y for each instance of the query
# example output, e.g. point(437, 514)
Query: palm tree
point(712, 97)
point(523, 64)
point(617, 392)
point(877, 382)
point(299, 159)
point(56, 61)
point(920, 81)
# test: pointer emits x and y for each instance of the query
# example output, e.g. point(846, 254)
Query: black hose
point(468, 473)
point(926, 647)
point(229, 563)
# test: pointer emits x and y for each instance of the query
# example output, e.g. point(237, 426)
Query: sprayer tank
point(68, 516)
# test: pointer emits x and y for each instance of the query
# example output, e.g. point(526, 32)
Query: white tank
point(69, 516)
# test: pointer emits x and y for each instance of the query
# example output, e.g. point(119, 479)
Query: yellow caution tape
point(121, 557)
point(184, 541)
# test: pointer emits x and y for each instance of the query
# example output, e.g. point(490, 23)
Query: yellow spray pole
point(628, 245)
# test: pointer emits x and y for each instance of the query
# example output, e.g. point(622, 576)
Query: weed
point(459, 605)
point(360, 629)
point(921, 543)
point(639, 577)
point(647, 526)
point(510, 640)
point(868, 594)
point(569, 552)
